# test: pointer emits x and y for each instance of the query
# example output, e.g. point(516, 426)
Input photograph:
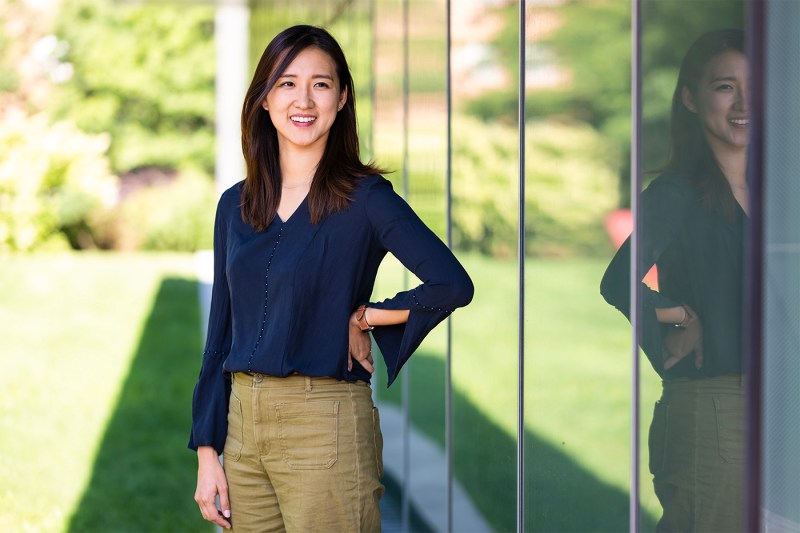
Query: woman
point(693, 218)
point(284, 389)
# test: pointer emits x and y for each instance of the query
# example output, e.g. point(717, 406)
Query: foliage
point(28, 56)
point(570, 185)
point(51, 179)
point(593, 42)
point(178, 215)
point(145, 74)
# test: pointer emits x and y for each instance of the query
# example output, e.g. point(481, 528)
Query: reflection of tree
point(570, 180)
point(593, 41)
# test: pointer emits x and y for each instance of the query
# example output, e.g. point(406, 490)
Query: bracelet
point(361, 318)
point(685, 320)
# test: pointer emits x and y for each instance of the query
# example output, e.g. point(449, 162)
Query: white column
point(231, 36)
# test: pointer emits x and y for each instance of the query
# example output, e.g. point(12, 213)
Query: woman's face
point(720, 102)
point(304, 102)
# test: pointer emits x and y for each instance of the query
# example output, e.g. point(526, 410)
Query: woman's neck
point(733, 164)
point(298, 168)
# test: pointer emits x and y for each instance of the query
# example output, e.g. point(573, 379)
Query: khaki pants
point(303, 454)
point(697, 454)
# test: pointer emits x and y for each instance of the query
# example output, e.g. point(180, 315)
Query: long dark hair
point(340, 165)
point(690, 153)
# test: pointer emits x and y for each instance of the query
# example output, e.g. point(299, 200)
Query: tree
point(144, 74)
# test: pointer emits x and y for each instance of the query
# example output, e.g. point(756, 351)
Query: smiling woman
point(692, 226)
point(304, 104)
point(284, 391)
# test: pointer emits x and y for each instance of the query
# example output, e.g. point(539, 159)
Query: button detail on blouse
point(266, 299)
point(427, 307)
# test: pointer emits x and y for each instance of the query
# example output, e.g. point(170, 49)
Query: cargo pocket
point(378, 440)
point(235, 438)
point(730, 428)
point(308, 433)
point(657, 438)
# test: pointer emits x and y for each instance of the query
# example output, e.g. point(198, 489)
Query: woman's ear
point(688, 99)
point(264, 104)
point(342, 98)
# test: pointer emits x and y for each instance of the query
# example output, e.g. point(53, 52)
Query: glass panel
point(484, 357)
point(781, 366)
point(411, 139)
point(693, 221)
point(577, 362)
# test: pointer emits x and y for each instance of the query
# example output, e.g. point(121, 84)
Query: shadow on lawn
point(144, 477)
point(560, 494)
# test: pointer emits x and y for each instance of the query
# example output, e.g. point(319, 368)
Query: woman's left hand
point(360, 347)
point(683, 340)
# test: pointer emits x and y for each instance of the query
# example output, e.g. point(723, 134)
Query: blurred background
point(119, 128)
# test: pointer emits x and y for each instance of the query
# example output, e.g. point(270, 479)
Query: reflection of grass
point(576, 389)
point(99, 357)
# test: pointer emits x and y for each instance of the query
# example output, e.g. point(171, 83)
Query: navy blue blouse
point(282, 298)
point(700, 263)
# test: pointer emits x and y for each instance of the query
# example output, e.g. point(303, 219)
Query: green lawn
point(101, 352)
point(100, 355)
point(577, 396)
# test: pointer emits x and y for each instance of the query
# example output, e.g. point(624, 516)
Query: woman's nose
point(304, 99)
point(742, 98)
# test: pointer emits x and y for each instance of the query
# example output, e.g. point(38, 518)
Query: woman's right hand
point(210, 482)
point(683, 340)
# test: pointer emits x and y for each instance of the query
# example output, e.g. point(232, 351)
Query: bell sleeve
point(212, 391)
point(445, 284)
point(664, 205)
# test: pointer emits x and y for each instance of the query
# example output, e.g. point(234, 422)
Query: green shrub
point(178, 215)
point(144, 74)
point(570, 184)
point(52, 177)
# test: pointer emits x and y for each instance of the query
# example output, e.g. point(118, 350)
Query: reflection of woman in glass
point(693, 218)
point(284, 388)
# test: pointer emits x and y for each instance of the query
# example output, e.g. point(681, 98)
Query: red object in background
point(619, 225)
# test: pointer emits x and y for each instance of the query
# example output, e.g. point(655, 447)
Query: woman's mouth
point(739, 121)
point(302, 120)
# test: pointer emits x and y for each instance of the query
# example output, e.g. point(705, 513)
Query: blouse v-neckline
point(292, 214)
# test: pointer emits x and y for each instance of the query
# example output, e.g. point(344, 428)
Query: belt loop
point(308, 383)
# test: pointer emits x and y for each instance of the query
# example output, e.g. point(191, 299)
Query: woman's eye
point(286, 84)
point(322, 84)
point(724, 87)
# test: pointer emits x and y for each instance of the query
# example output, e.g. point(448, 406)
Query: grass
point(101, 352)
point(577, 397)
point(99, 360)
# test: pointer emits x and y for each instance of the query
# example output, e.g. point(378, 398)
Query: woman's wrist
point(360, 318)
point(205, 453)
point(685, 319)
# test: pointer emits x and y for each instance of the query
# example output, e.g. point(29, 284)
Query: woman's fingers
point(360, 350)
point(225, 507)
point(208, 508)
point(364, 360)
point(211, 482)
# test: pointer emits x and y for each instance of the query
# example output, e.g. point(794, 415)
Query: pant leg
point(696, 455)
point(325, 457)
point(254, 504)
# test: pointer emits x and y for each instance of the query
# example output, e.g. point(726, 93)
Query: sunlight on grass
point(70, 325)
point(577, 374)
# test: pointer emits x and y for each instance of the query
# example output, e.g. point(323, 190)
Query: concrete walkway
point(427, 480)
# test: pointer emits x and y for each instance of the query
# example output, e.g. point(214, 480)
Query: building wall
point(517, 413)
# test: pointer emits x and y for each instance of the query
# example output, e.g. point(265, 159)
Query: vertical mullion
point(406, 500)
point(635, 267)
point(448, 380)
point(754, 266)
point(521, 276)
